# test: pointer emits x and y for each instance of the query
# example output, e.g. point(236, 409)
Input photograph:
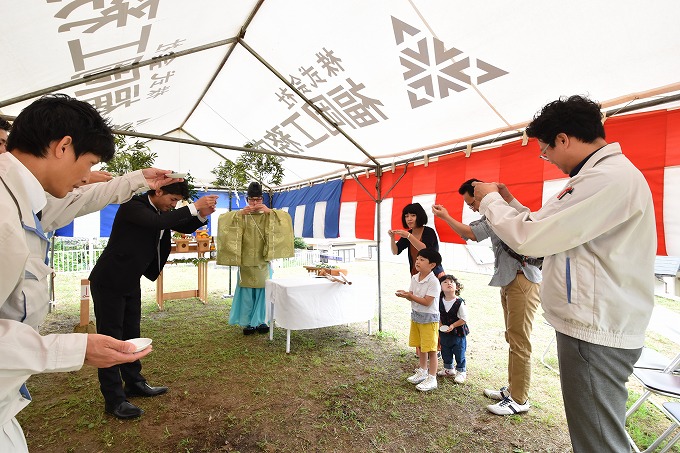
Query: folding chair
point(672, 411)
point(665, 382)
point(653, 360)
point(547, 350)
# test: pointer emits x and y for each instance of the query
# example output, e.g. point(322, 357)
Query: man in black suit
point(139, 245)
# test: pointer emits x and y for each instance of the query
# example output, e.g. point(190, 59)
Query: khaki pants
point(520, 299)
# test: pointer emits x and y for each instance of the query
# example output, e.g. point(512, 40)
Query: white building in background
point(667, 273)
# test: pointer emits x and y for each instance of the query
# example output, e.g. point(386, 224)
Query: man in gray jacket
point(519, 279)
point(598, 236)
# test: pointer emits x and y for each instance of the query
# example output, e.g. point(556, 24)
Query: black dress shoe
point(262, 328)
point(124, 410)
point(249, 330)
point(143, 389)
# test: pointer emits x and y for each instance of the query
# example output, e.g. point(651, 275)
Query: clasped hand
point(260, 207)
point(484, 188)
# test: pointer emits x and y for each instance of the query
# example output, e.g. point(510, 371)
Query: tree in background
point(129, 156)
point(250, 166)
point(230, 175)
point(265, 168)
point(193, 190)
point(137, 156)
point(299, 243)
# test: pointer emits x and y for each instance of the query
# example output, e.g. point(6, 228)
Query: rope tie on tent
point(605, 116)
point(525, 138)
point(468, 150)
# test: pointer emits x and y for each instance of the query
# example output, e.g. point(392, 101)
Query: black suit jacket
point(131, 251)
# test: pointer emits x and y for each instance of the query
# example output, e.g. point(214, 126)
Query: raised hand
point(440, 211)
point(206, 204)
point(505, 193)
point(157, 178)
point(484, 188)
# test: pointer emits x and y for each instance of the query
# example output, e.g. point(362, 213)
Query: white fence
point(80, 256)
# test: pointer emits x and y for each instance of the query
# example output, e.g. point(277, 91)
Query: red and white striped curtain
point(650, 140)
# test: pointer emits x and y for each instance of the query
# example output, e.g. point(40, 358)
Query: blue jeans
point(453, 346)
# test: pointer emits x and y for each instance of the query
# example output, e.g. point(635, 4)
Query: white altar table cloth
point(309, 303)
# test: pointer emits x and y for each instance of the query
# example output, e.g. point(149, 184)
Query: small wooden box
point(182, 245)
point(203, 244)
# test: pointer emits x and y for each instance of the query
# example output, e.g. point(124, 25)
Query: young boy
point(453, 319)
point(422, 293)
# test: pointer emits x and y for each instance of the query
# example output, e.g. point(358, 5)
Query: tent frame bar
point(224, 61)
point(513, 135)
point(116, 70)
point(250, 175)
point(320, 112)
point(211, 145)
point(235, 148)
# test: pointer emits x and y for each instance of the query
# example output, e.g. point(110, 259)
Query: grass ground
point(338, 390)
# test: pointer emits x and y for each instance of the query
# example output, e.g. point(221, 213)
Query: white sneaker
point(447, 372)
point(497, 394)
point(419, 377)
point(460, 377)
point(430, 383)
point(508, 406)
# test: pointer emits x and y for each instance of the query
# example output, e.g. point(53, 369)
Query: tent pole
point(230, 293)
point(50, 282)
point(377, 199)
point(378, 204)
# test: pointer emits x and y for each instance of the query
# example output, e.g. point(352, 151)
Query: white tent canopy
point(395, 79)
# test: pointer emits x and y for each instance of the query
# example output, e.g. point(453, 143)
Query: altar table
point(309, 303)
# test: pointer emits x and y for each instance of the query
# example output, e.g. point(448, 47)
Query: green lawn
point(338, 390)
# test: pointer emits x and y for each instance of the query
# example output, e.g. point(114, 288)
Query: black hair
point(417, 210)
point(456, 282)
point(576, 116)
point(56, 116)
point(431, 255)
point(5, 125)
point(176, 188)
point(467, 187)
point(254, 190)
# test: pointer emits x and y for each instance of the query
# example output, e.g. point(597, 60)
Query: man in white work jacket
point(53, 145)
point(598, 237)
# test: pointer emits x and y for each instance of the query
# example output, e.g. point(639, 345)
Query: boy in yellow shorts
point(422, 293)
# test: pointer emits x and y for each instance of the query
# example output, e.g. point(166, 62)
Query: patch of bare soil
point(339, 390)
